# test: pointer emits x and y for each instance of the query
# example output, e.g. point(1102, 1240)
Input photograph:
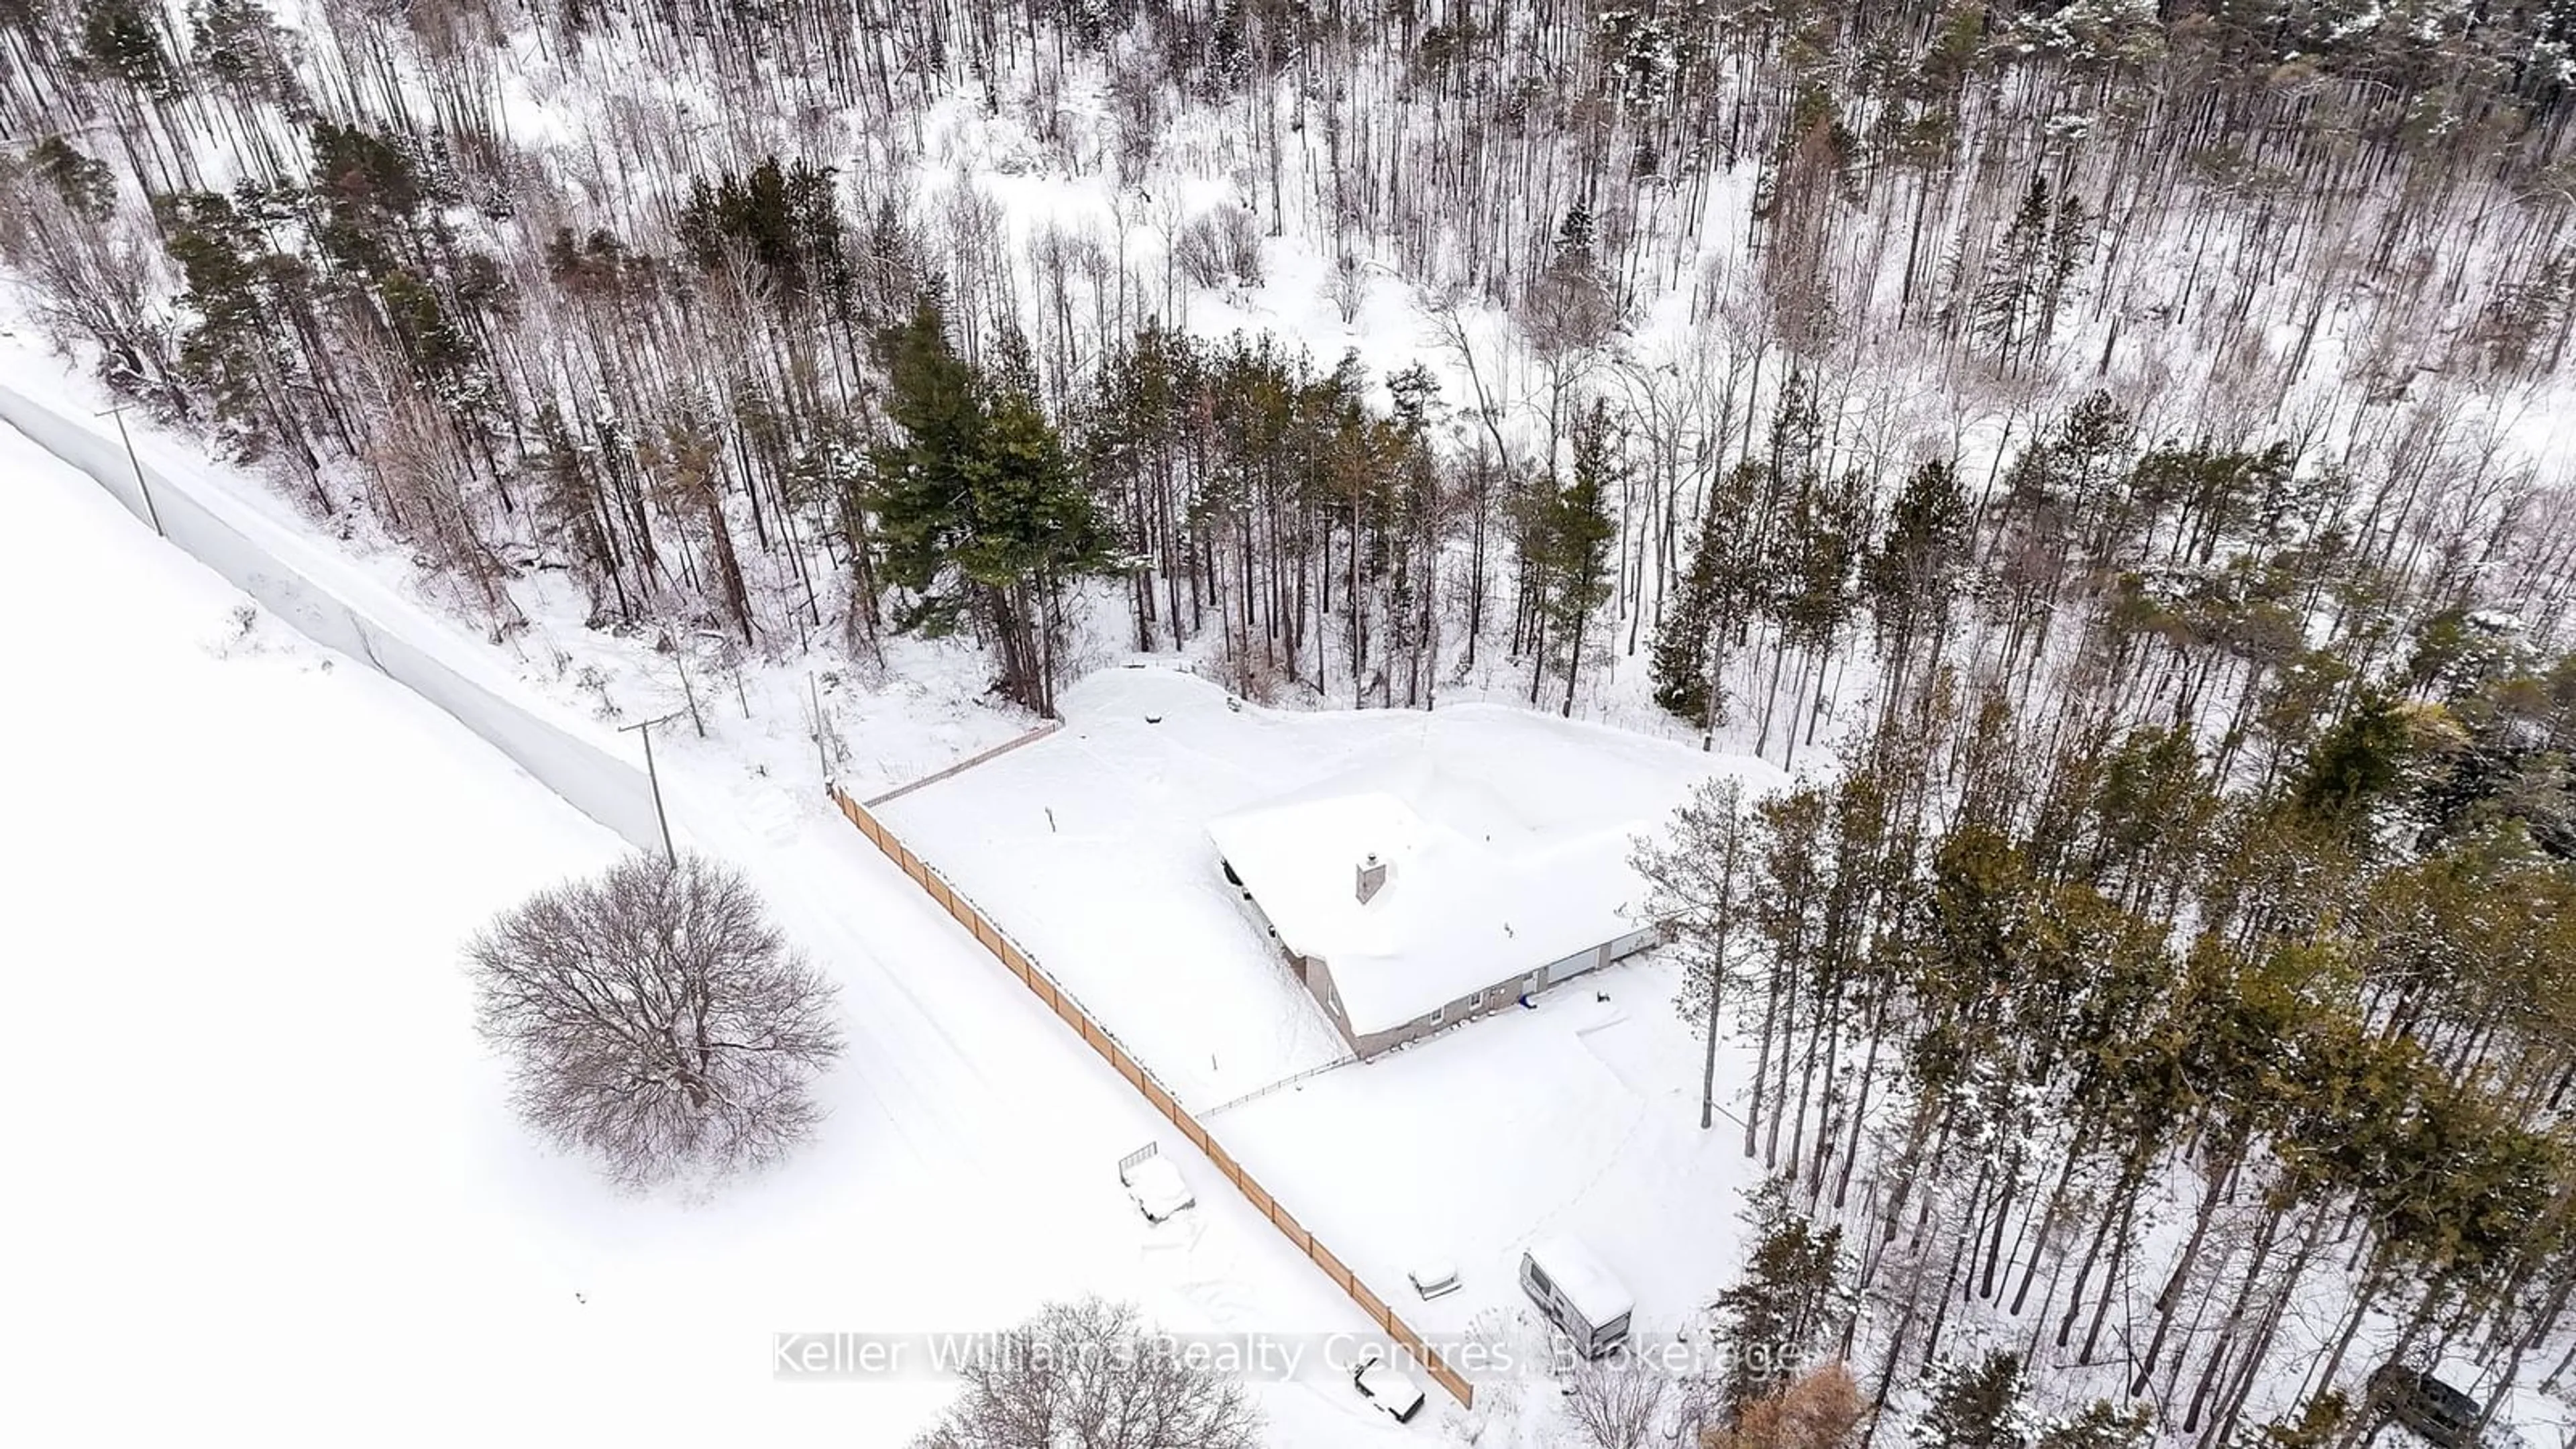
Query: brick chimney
point(1372, 878)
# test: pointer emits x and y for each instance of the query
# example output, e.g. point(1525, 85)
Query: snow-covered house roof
point(1475, 892)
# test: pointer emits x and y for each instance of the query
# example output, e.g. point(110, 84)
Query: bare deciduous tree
point(90, 281)
point(653, 1017)
point(1220, 246)
point(1616, 1402)
point(1347, 288)
point(1819, 1411)
point(1089, 1375)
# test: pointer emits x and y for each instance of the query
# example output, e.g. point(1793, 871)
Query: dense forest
point(2117, 436)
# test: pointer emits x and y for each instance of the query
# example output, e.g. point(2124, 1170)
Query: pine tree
point(84, 182)
point(2357, 765)
point(250, 305)
point(1685, 681)
point(1974, 1406)
point(1572, 540)
point(1698, 876)
point(2061, 259)
point(2015, 305)
point(785, 219)
point(121, 39)
point(1912, 576)
point(980, 514)
point(1775, 1317)
point(245, 49)
point(1574, 238)
point(2098, 1425)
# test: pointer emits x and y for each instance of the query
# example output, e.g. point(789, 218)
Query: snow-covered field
point(262, 1174)
point(266, 1172)
point(1580, 1116)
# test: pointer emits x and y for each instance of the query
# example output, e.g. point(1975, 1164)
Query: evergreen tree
point(2015, 305)
point(1912, 575)
point(121, 39)
point(979, 512)
point(786, 219)
point(250, 305)
point(2098, 1425)
point(1776, 1316)
point(1687, 637)
point(372, 191)
point(2356, 766)
point(1571, 543)
point(1698, 877)
point(245, 49)
point(84, 182)
point(1574, 238)
point(1974, 1406)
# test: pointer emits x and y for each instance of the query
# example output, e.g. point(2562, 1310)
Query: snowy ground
point(925, 707)
point(1581, 1116)
point(272, 1175)
point(1091, 847)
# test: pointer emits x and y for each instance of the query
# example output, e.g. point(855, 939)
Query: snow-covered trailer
point(1585, 1300)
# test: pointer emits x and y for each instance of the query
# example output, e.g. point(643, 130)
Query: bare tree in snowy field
point(1089, 1375)
point(1616, 1402)
point(654, 1018)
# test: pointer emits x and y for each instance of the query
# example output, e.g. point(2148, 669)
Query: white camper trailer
point(1585, 1300)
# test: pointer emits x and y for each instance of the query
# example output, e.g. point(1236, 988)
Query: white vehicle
point(1388, 1387)
point(1153, 1184)
point(1580, 1296)
point(1434, 1279)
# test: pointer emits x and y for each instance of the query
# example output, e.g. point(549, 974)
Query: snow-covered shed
point(1409, 896)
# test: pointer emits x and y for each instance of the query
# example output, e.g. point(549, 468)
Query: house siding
point(1503, 993)
point(1466, 1008)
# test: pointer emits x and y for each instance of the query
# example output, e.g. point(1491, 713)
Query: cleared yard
point(1091, 847)
point(1579, 1116)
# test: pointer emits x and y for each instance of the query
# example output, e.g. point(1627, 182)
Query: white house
point(1409, 896)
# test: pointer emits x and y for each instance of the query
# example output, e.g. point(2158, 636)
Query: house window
point(1440, 1016)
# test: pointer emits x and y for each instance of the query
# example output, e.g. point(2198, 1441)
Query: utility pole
point(645, 728)
point(149, 507)
point(822, 758)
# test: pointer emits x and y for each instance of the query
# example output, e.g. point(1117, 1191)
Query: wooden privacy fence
point(1097, 1037)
